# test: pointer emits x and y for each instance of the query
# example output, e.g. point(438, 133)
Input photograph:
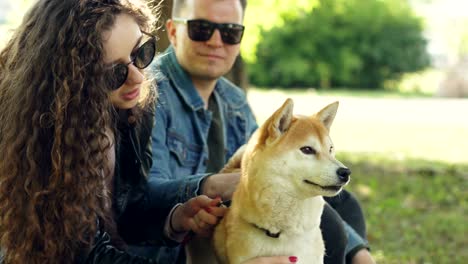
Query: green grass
point(416, 210)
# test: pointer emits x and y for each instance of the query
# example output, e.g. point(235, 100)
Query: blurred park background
point(400, 71)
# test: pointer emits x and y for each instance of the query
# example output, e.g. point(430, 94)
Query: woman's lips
point(131, 95)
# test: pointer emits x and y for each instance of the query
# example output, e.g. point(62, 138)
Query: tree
point(352, 43)
point(273, 14)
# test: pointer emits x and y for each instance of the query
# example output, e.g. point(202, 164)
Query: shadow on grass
point(416, 210)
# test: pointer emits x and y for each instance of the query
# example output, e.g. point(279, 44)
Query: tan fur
point(273, 192)
point(234, 163)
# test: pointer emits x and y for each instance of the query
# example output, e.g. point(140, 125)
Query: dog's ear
point(327, 114)
point(280, 121)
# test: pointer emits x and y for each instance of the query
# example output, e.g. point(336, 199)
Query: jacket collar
point(181, 79)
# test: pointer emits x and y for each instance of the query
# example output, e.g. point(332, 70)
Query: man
point(202, 118)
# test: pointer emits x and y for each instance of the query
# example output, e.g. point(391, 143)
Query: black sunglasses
point(202, 30)
point(141, 58)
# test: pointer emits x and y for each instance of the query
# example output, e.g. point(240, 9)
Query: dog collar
point(267, 232)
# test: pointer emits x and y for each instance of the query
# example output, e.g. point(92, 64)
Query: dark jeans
point(338, 208)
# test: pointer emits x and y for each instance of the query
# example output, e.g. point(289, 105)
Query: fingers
point(206, 217)
point(196, 204)
point(204, 222)
point(216, 211)
point(200, 202)
point(200, 214)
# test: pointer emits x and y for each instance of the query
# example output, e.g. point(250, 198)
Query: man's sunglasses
point(202, 30)
point(141, 58)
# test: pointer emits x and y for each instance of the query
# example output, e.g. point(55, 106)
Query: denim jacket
point(180, 150)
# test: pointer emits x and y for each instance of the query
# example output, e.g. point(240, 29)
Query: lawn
point(416, 209)
point(409, 163)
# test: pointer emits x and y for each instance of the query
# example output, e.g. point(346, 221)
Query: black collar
point(267, 232)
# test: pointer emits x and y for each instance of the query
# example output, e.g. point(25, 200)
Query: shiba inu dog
point(286, 168)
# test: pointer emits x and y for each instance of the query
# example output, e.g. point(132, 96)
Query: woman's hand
point(272, 260)
point(199, 214)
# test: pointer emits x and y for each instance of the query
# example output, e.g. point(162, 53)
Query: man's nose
point(215, 39)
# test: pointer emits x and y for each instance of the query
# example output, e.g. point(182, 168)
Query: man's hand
point(363, 256)
point(220, 185)
point(199, 214)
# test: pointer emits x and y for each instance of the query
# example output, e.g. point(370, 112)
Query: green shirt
point(215, 139)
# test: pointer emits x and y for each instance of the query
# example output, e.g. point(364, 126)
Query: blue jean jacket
point(180, 150)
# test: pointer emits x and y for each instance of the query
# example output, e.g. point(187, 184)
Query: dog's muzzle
point(334, 188)
point(343, 174)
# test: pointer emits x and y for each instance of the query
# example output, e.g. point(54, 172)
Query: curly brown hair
point(54, 121)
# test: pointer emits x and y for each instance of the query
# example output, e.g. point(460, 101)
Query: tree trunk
point(165, 14)
point(238, 74)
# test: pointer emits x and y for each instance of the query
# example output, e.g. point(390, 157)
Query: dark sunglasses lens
point(232, 34)
point(119, 76)
point(200, 30)
point(145, 54)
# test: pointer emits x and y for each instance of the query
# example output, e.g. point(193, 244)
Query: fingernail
point(217, 201)
point(208, 209)
point(293, 259)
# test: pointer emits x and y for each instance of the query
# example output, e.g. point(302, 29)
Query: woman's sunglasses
point(141, 58)
point(202, 30)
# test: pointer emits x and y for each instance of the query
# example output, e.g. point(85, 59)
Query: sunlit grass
point(416, 210)
point(398, 126)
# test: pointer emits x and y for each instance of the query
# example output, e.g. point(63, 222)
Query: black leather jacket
point(140, 219)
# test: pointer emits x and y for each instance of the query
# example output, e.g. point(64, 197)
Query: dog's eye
point(308, 150)
point(331, 149)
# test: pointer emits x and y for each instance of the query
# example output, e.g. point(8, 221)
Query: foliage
point(425, 82)
point(462, 44)
point(273, 14)
point(352, 43)
point(415, 210)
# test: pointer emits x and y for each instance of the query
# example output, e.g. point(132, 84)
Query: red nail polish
point(208, 209)
point(293, 259)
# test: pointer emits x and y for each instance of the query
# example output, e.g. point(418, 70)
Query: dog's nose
point(343, 174)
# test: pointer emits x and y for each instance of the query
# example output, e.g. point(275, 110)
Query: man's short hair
point(178, 6)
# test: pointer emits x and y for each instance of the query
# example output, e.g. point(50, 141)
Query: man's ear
point(327, 114)
point(279, 122)
point(171, 31)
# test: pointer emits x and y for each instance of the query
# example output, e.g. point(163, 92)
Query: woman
point(72, 171)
